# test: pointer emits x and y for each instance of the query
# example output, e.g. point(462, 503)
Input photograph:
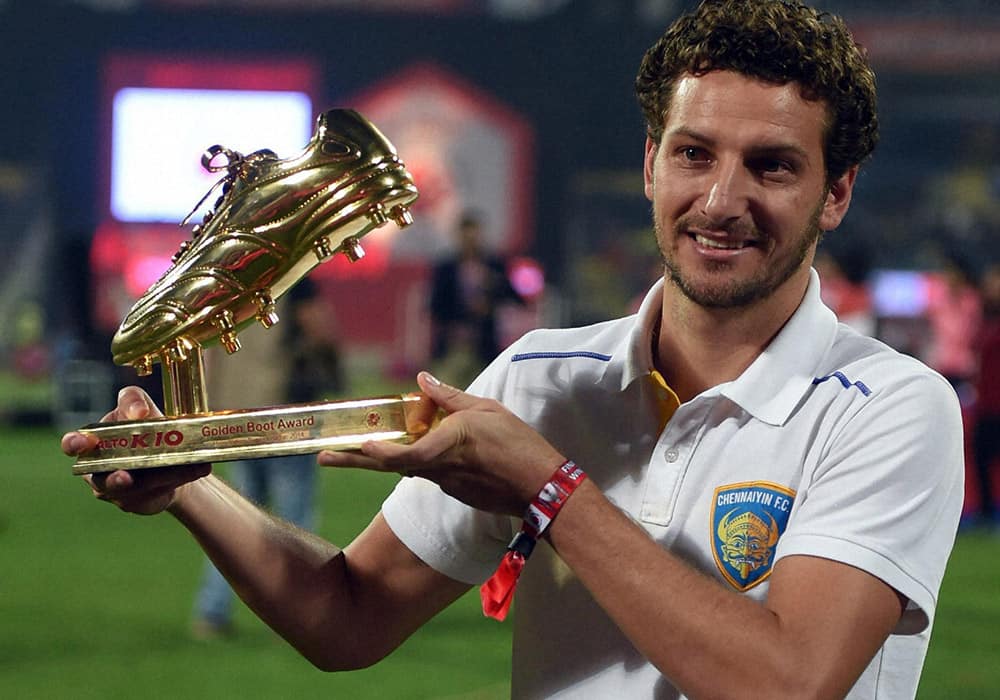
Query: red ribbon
point(498, 592)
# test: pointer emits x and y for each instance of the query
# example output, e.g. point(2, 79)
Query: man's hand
point(145, 491)
point(481, 453)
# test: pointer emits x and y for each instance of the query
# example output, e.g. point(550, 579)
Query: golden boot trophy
point(274, 221)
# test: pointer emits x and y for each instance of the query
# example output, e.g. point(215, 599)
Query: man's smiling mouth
point(721, 244)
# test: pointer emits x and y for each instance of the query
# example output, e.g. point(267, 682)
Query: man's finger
point(122, 481)
point(102, 482)
point(447, 397)
point(135, 404)
point(351, 460)
point(74, 444)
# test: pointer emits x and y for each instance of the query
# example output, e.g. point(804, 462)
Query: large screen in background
point(900, 293)
point(158, 135)
point(159, 113)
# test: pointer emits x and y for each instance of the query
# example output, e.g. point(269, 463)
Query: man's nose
point(729, 192)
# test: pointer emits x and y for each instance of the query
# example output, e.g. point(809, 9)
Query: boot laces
point(236, 166)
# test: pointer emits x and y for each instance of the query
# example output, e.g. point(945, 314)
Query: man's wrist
point(497, 593)
point(180, 503)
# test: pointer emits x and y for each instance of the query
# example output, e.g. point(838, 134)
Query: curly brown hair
point(777, 41)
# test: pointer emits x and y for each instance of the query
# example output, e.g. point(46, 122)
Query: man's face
point(739, 189)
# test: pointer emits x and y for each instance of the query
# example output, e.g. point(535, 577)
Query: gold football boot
point(274, 221)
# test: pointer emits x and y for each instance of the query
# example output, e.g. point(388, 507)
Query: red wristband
point(498, 592)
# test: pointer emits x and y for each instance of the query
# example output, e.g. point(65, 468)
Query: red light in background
point(142, 271)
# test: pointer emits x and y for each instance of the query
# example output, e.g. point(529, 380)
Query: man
point(467, 289)
point(771, 497)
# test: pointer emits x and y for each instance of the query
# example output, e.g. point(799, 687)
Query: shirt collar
point(772, 387)
point(639, 352)
point(774, 384)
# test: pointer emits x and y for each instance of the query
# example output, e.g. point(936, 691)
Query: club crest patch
point(747, 520)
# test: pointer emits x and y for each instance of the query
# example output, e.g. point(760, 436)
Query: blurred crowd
point(949, 317)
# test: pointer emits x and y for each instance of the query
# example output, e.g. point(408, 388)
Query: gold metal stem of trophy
point(183, 379)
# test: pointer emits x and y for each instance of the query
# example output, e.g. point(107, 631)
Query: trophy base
point(221, 436)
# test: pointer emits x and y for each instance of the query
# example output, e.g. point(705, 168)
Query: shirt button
point(672, 454)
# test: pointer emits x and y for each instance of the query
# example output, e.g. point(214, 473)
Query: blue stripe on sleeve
point(559, 356)
point(845, 382)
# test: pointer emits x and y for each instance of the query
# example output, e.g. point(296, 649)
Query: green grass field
point(96, 604)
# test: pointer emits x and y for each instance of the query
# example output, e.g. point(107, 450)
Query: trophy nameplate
point(274, 222)
point(248, 434)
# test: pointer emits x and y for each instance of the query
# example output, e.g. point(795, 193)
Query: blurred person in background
point(986, 431)
point(468, 289)
point(954, 311)
point(844, 287)
point(294, 362)
point(764, 500)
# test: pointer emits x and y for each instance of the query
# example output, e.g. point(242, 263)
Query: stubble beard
point(737, 293)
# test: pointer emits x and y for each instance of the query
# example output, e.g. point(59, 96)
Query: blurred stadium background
point(519, 109)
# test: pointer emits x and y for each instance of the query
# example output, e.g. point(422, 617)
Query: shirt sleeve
point(457, 540)
point(887, 494)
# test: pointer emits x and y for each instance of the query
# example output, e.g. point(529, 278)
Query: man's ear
point(647, 166)
point(838, 200)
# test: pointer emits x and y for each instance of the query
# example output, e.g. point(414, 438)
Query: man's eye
point(774, 165)
point(693, 153)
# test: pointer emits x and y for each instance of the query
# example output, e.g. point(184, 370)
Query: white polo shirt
point(830, 444)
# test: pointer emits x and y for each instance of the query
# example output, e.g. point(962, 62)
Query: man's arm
point(340, 609)
point(820, 626)
point(814, 635)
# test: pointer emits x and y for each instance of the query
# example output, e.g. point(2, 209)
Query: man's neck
point(697, 348)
